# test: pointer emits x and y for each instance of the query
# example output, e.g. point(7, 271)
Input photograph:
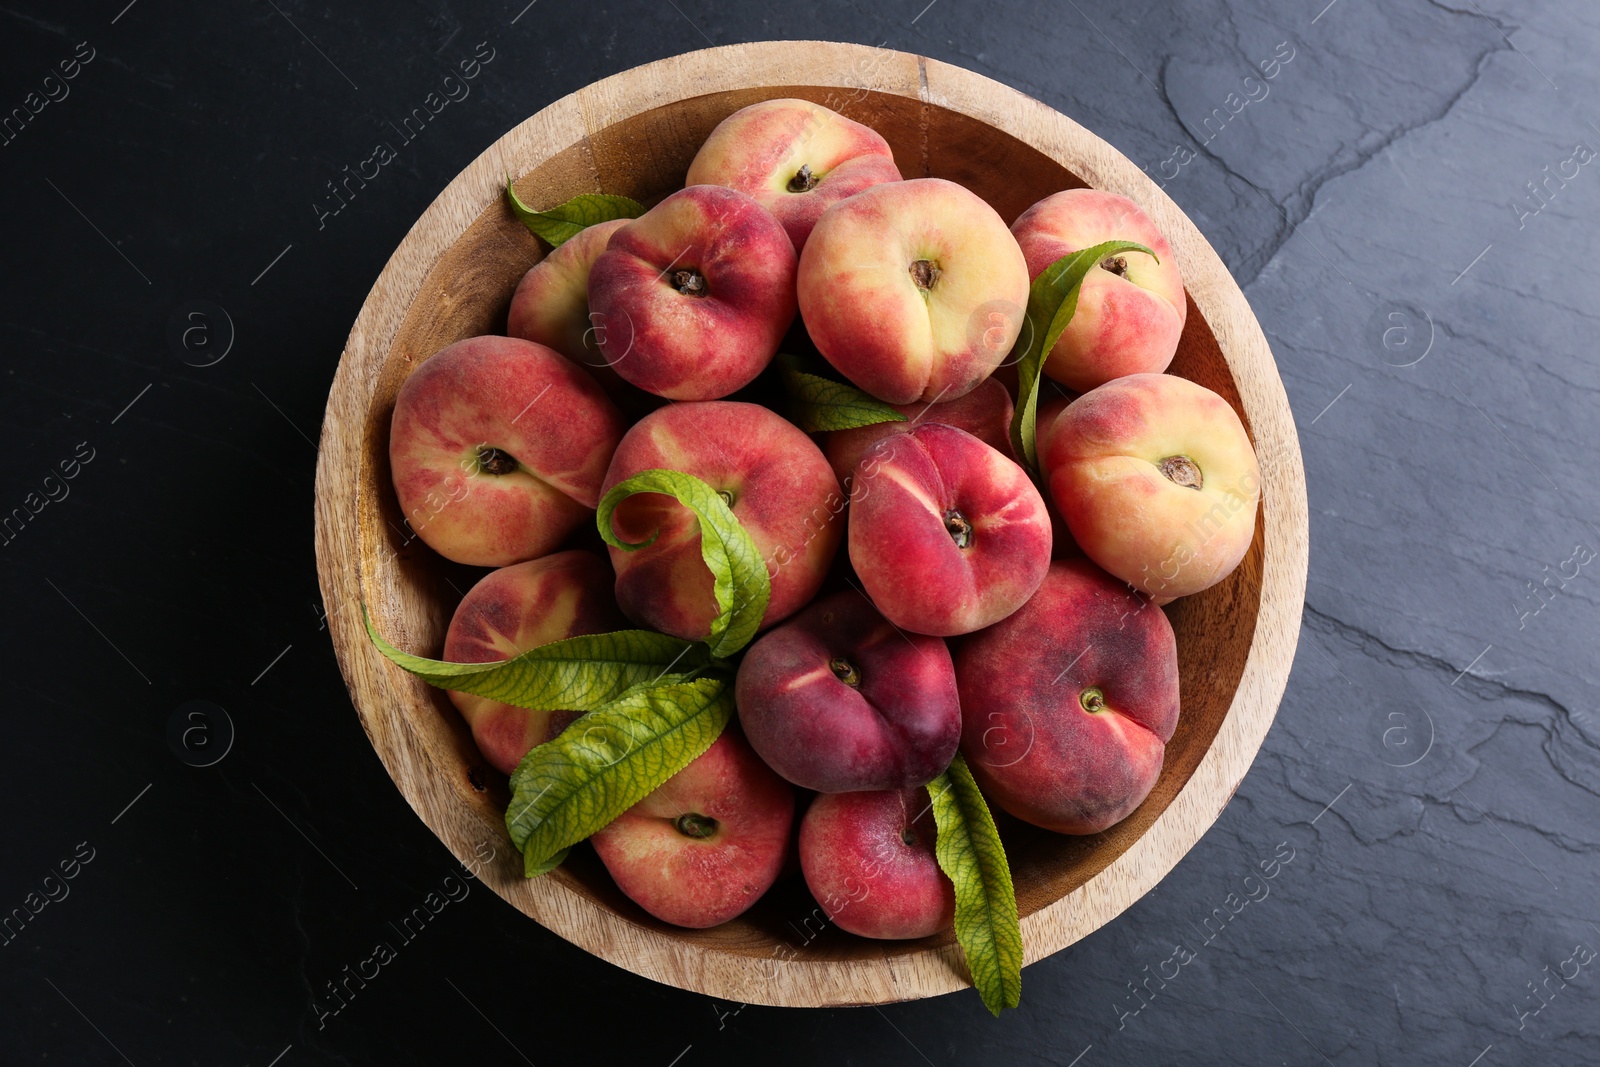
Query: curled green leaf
point(575, 674)
point(739, 575)
point(565, 221)
point(607, 761)
point(969, 851)
point(818, 404)
point(1052, 300)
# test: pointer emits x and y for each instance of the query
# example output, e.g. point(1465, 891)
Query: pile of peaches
point(946, 576)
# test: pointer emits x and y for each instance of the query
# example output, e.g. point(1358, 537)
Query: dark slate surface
point(1434, 768)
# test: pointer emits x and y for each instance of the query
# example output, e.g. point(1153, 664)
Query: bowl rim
point(797, 981)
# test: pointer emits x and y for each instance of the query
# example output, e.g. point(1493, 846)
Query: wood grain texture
point(635, 133)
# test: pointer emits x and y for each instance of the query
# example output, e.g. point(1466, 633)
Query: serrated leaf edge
point(734, 616)
point(960, 795)
point(444, 674)
point(721, 693)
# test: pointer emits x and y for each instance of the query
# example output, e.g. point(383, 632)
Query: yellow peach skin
point(914, 290)
point(1157, 481)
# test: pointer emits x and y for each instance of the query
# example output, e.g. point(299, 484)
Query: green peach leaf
point(518, 772)
point(534, 870)
point(607, 761)
point(565, 221)
point(739, 574)
point(1052, 300)
point(970, 853)
point(574, 674)
point(818, 404)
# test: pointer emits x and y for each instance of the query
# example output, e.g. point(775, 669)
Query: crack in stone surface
point(1299, 205)
point(1567, 746)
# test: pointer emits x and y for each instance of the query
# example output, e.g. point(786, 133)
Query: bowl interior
point(467, 292)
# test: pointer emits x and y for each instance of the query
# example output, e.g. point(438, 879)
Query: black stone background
point(1434, 766)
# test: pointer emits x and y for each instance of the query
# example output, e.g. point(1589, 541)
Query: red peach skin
point(551, 304)
point(946, 534)
point(511, 610)
point(761, 150)
point(1027, 686)
point(783, 492)
point(985, 413)
point(838, 701)
point(913, 290)
point(745, 813)
point(497, 448)
point(1112, 458)
point(1125, 323)
point(693, 297)
point(868, 859)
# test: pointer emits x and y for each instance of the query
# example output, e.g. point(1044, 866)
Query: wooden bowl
point(635, 133)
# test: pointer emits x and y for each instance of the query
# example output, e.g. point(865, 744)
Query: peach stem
point(693, 824)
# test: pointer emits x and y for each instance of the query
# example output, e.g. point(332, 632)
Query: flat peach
point(837, 700)
point(1068, 704)
point(704, 846)
point(497, 447)
point(514, 609)
point(695, 294)
point(795, 158)
point(1131, 308)
point(1157, 481)
point(780, 487)
point(946, 534)
point(913, 290)
point(868, 859)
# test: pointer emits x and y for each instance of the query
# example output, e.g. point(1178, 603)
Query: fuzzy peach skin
point(705, 846)
point(511, 610)
point(985, 413)
point(868, 860)
point(1157, 481)
point(946, 534)
point(795, 157)
point(497, 447)
point(1067, 706)
point(782, 490)
point(695, 294)
point(551, 304)
point(837, 700)
point(1131, 308)
point(913, 290)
